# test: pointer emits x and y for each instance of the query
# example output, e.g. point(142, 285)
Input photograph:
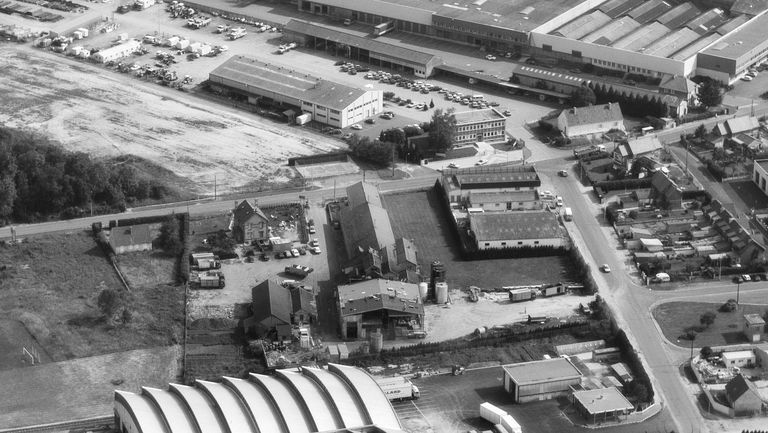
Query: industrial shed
point(391, 307)
point(601, 405)
point(540, 380)
point(312, 400)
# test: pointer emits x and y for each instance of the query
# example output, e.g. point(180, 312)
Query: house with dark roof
point(130, 239)
point(625, 154)
point(498, 230)
point(680, 86)
point(743, 397)
point(277, 308)
point(591, 121)
point(400, 257)
point(747, 247)
point(249, 223)
point(393, 307)
point(665, 191)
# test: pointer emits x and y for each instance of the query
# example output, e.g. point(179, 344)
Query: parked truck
point(567, 214)
point(211, 280)
point(303, 118)
point(237, 33)
point(497, 416)
point(520, 295)
point(398, 388)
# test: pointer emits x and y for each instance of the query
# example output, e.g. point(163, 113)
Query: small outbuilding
point(130, 239)
point(753, 327)
point(743, 396)
point(601, 405)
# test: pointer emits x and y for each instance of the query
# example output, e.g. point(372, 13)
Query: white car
point(559, 201)
point(481, 162)
point(356, 127)
point(315, 250)
point(314, 243)
point(294, 252)
point(605, 268)
point(490, 57)
point(746, 78)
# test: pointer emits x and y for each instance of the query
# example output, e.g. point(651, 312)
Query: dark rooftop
point(491, 226)
point(131, 235)
point(372, 295)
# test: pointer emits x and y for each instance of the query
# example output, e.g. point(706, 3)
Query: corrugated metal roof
point(642, 37)
point(515, 225)
point(376, 403)
point(679, 15)
point(228, 404)
point(199, 407)
point(694, 48)
point(707, 21)
point(296, 418)
point(351, 409)
point(732, 24)
point(173, 410)
point(259, 404)
point(547, 370)
point(649, 11)
point(148, 417)
point(583, 25)
point(671, 42)
point(742, 41)
point(612, 31)
point(323, 413)
point(617, 8)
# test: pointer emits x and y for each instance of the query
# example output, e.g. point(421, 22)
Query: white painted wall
point(518, 243)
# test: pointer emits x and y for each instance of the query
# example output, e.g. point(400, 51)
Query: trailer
point(498, 417)
point(211, 280)
point(520, 295)
point(303, 119)
point(553, 291)
point(398, 388)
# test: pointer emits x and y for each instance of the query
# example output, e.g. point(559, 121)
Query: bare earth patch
point(103, 113)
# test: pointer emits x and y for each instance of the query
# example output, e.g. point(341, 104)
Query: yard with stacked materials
point(49, 289)
point(420, 216)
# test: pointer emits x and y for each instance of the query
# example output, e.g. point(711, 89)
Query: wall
point(760, 177)
point(545, 391)
point(623, 58)
point(367, 105)
point(518, 243)
point(377, 7)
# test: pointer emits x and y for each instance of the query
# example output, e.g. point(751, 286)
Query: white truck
point(567, 214)
point(398, 388)
point(497, 416)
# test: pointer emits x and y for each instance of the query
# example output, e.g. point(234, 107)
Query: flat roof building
point(487, 125)
point(328, 102)
point(601, 405)
point(540, 380)
point(729, 58)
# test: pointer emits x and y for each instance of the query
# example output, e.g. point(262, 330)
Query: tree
point(431, 103)
point(708, 318)
point(638, 389)
point(169, 238)
point(700, 132)
point(442, 129)
point(110, 303)
point(706, 352)
point(710, 94)
point(583, 96)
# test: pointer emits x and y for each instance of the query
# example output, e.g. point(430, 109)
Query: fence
point(229, 15)
point(82, 424)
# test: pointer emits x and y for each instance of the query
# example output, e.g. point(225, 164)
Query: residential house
point(400, 259)
point(681, 87)
point(129, 239)
point(460, 184)
point(746, 247)
point(665, 191)
point(249, 223)
point(392, 307)
point(591, 121)
point(743, 396)
point(626, 153)
point(736, 125)
point(277, 308)
point(495, 230)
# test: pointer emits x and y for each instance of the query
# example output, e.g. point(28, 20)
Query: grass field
point(676, 318)
point(50, 284)
point(420, 216)
point(147, 269)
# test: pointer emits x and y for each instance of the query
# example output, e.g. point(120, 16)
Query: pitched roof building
point(743, 396)
point(393, 307)
point(736, 125)
point(249, 223)
point(364, 223)
point(626, 153)
point(275, 306)
point(590, 121)
point(499, 230)
point(130, 238)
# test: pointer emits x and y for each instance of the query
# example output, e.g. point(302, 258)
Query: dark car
point(370, 120)
point(264, 258)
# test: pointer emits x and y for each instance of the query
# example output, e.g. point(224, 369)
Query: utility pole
point(393, 160)
point(738, 286)
point(214, 186)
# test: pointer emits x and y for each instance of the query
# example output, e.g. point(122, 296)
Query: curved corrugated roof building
point(315, 400)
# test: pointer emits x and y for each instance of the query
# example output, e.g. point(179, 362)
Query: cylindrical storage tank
point(437, 273)
point(423, 291)
point(441, 293)
point(377, 341)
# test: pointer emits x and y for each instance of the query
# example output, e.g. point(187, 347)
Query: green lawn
point(676, 318)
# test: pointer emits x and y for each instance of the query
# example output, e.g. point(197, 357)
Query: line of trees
point(632, 104)
point(40, 180)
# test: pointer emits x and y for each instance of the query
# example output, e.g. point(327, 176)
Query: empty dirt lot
point(104, 113)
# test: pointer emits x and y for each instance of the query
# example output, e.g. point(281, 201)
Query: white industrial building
point(327, 102)
point(760, 174)
point(498, 230)
point(111, 54)
point(486, 125)
point(339, 399)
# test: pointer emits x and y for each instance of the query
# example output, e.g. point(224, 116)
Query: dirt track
point(103, 113)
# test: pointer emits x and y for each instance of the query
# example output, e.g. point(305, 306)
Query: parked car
point(295, 252)
point(264, 258)
point(356, 127)
point(605, 268)
point(746, 78)
point(490, 57)
point(314, 243)
point(562, 173)
point(370, 120)
point(453, 165)
point(315, 250)
point(481, 162)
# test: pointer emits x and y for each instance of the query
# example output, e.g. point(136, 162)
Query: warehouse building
point(460, 184)
point(393, 308)
point(328, 102)
point(729, 58)
point(498, 230)
point(339, 399)
point(540, 380)
point(361, 49)
point(486, 125)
